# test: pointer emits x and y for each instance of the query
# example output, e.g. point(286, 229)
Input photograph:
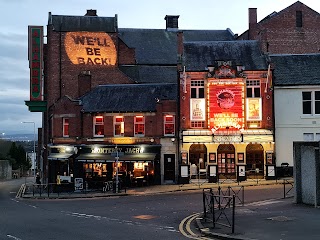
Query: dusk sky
point(16, 15)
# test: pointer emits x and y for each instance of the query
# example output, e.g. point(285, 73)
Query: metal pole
point(117, 176)
point(34, 151)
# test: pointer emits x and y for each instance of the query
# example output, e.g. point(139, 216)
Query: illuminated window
point(118, 123)
point(197, 124)
point(197, 89)
point(66, 127)
point(311, 102)
point(254, 124)
point(253, 88)
point(169, 125)
point(98, 126)
point(139, 126)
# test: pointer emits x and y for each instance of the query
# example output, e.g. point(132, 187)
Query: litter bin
point(285, 170)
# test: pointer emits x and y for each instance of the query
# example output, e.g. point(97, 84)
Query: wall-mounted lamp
point(152, 140)
point(173, 139)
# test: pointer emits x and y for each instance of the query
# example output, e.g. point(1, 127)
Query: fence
point(219, 205)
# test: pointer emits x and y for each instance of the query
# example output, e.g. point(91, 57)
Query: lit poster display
point(254, 107)
point(90, 48)
point(226, 105)
point(197, 109)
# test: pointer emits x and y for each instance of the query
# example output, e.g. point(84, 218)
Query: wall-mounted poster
point(225, 105)
point(197, 109)
point(254, 109)
point(184, 157)
point(240, 157)
point(212, 157)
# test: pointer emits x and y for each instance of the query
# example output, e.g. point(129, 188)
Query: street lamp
point(34, 148)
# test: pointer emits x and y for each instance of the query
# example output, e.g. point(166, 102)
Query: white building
point(296, 102)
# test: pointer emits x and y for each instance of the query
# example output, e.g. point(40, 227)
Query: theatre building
point(226, 110)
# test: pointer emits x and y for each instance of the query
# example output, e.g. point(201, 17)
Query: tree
point(18, 157)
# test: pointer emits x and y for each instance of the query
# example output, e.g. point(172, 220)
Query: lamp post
point(34, 148)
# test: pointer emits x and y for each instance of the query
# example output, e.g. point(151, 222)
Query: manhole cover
point(280, 218)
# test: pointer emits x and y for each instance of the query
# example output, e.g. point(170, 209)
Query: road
point(133, 217)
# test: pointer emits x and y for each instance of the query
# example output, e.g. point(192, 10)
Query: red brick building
point(294, 30)
point(111, 99)
point(226, 110)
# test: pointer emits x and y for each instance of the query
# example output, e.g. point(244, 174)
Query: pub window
point(98, 126)
point(169, 125)
point(118, 126)
point(197, 89)
point(253, 88)
point(65, 127)
point(139, 126)
point(298, 18)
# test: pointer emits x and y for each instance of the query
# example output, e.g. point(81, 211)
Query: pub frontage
point(135, 165)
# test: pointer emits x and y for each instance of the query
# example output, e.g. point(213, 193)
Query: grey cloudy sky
point(16, 15)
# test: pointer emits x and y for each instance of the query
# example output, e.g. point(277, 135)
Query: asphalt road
point(128, 217)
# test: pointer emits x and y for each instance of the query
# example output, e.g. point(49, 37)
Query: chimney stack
point(171, 22)
point(252, 22)
point(91, 12)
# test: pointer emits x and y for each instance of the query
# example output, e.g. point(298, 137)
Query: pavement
point(273, 219)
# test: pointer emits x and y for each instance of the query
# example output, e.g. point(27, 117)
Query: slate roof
point(83, 23)
point(296, 69)
point(127, 97)
point(151, 74)
point(199, 55)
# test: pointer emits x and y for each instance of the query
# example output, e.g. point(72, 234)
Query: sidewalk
point(153, 189)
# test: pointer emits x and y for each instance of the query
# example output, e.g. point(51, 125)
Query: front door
point(169, 167)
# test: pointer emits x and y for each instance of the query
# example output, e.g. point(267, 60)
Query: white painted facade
point(290, 122)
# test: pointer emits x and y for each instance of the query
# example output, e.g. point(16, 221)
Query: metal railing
point(218, 213)
point(287, 190)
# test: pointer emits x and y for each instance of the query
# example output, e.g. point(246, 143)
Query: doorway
point(254, 159)
point(198, 159)
point(226, 159)
point(169, 167)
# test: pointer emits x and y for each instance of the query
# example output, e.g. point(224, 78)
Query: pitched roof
point(159, 46)
point(82, 23)
point(296, 69)
point(127, 97)
point(151, 74)
point(199, 55)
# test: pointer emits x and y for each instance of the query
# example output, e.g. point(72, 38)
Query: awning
point(91, 157)
point(59, 156)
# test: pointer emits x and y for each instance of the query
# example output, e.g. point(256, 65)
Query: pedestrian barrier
point(219, 209)
point(289, 189)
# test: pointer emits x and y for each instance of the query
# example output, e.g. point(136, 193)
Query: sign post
point(117, 176)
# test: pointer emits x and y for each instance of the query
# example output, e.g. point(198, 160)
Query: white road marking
point(263, 203)
point(10, 236)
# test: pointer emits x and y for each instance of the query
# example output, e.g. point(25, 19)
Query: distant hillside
point(19, 137)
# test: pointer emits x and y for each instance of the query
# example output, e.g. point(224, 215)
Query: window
point(197, 124)
point(98, 125)
point(169, 125)
point(118, 126)
point(308, 137)
point(311, 102)
point(65, 127)
point(253, 88)
point(298, 18)
point(197, 89)
point(139, 126)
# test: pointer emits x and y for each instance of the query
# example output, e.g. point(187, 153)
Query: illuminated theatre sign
point(35, 44)
point(90, 48)
point(226, 105)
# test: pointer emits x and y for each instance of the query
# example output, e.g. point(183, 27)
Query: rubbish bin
point(285, 170)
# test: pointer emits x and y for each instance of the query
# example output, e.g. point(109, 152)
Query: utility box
point(307, 172)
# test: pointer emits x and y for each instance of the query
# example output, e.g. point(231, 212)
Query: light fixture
point(173, 139)
point(152, 140)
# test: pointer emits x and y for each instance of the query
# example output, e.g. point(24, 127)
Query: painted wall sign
point(254, 109)
point(90, 48)
point(197, 109)
point(35, 61)
point(226, 105)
